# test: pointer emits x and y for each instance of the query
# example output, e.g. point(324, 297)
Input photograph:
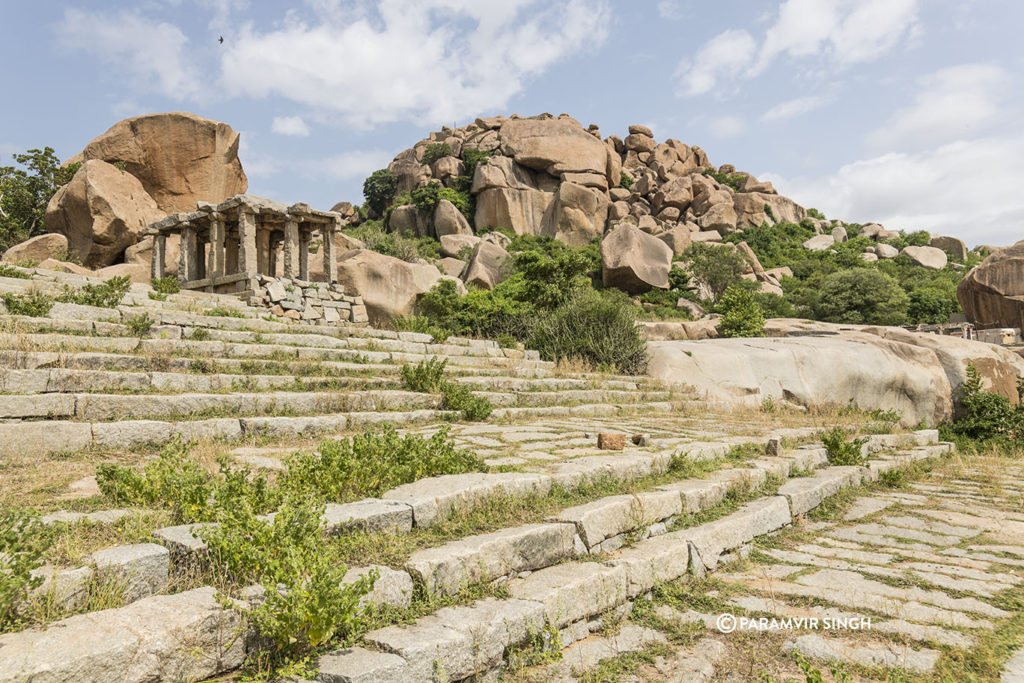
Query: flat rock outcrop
point(992, 293)
point(37, 249)
point(179, 158)
point(101, 212)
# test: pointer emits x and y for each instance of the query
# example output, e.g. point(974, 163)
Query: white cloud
point(727, 126)
point(355, 164)
point(952, 104)
point(969, 189)
point(436, 60)
point(154, 53)
point(724, 56)
point(289, 125)
point(673, 10)
point(835, 32)
point(796, 107)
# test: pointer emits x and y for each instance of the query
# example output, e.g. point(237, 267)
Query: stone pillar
point(187, 260)
point(263, 262)
point(330, 252)
point(247, 262)
point(159, 256)
point(291, 248)
point(215, 264)
point(304, 231)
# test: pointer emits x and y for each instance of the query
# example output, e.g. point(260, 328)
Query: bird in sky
point(221, 40)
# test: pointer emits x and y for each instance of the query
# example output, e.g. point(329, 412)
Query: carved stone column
point(216, 263)
point(330, 252)
point(247, 262)
point(187, 261)
point(157, 264)
point(291, 248)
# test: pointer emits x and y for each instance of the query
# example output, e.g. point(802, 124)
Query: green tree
point(379, 189)
point(716, 267)
point(25, 190)
point(861, 296)
point(741, 314)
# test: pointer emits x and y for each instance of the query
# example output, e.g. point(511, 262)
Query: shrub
point(733, 181)
point(716, 267)
point(221, 312)
point(306, 602)
point(741, 314)
point(428, 197)
point(11, 271)
point(140, 325)
point(199, 334)
point(421, 324)
point(842, 451)
point(435, 151)
point(814, 213)
point(104, 295)
point(379, 189)
point(458, 397)
point(369, 464)
point(625, 180)
point(22, 544)
point(597, 326)
point(33, 304)
point(473, 157)
point(987, 417)
point(861, 296)
point(166, 285)
point(426, 376)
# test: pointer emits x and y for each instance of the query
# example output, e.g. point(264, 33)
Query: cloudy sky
point(906, 112)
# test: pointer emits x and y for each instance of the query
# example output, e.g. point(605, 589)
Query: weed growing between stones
point(842, 451)
point(221, 312)
point(104, 295)
point(140, 325)
point(33, 304)
point(166, 285)
point(22, 545)
point(11, 271)
point(426, 376)
point(199, 334)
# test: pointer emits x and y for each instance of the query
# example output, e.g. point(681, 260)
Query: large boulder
point(448, 220)
point(37, 249)
point(521, 210)
point(406, 219)
point(577, 215)
point(756, 208)
point(101, 212)
point(951, 245)
point(389, 286)
point(555, 146)
point(992, 293)
point(820, 243)
point(810, 371)
point(451, 245)
point(179, 158)
point(488, 266)
point(927, 257)
point(633, 261)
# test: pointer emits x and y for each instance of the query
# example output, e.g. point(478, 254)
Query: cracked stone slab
point(587, 654)
point(573, 591)
point(806, 493)
point(862, 507)
point(613, 515)
point(371, 515)
point(141, 568)
point(732, 531)
point(876, 654)
point(434, 498)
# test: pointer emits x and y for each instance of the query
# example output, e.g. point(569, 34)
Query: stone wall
point(312, 303)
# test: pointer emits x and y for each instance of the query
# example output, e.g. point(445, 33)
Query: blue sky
point(906, 112)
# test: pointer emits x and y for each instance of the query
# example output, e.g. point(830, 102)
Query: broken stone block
point(611, 442)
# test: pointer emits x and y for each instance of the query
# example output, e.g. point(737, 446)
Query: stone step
point(189, 636)
point(50, 436)
point(472, 640)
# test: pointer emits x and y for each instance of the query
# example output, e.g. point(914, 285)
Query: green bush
point(379, 189)
point(842, 451)
point(104, 295)
point(717, 267)
point(471, 158)
point(33, 304)
point(426, 376)
point(733, 181)
point(22, 544)
point(428, 197)
point(435, 151)
point(741, 314)
point(861, 296)
point(459, 397)
point(11, 271)
point(140, 325)
point(166, 285)
point(599, 327)
point(369, 464)
point(986, 417)
point(306, 602)
point(222, 312)
point(421, 324)
point(625, 180)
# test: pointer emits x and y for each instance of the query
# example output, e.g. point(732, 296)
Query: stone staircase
point(570, 540)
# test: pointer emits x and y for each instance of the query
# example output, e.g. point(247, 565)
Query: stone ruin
point(226, 247)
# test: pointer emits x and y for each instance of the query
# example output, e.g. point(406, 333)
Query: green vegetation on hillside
point(837, 285)
point(25, 190)
point(987, 419)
